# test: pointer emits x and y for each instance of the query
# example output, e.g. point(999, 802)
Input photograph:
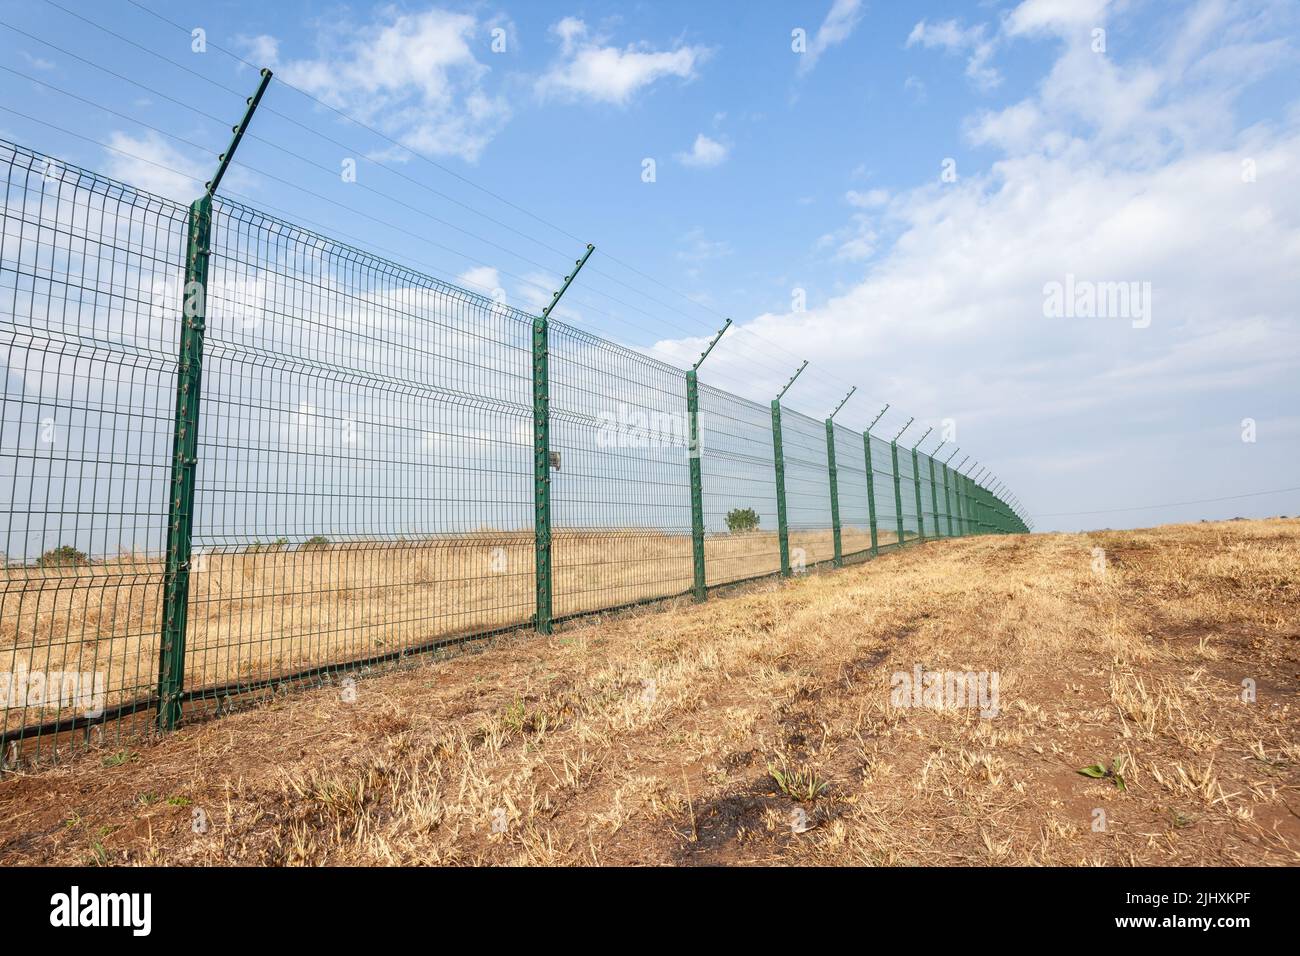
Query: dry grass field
point(268, 612)
point(687, 734)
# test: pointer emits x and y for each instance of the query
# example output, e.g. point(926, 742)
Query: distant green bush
point(64, 556)
point(258, 547)
point(316, 543)
point(742, 519)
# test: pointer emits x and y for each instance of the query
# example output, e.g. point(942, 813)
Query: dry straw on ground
point(268, 611)
point(691, 734)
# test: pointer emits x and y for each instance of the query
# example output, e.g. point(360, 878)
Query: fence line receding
point(363, 460)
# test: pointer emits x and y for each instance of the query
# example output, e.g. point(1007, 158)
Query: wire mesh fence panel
point(739, 488)
point(927, 503)
point(941, 491)
point(882, 468)
point(365, 458)
point(85, 451)
point(365, 445)
point(620, 476)
point(851, 481)
point(906, 474)
point(807, 488)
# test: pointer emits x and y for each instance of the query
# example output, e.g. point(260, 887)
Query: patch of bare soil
point(759, 728)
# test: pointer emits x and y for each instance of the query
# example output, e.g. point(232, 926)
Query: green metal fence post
point(934, 493)
point(871, 482)
point(837, 545)
point(700, 584)
point(898, 495)
point(898, 485)
point(947, 490)
point(948, 498)
point(697, 486)
point(963, 502)
point(778, 454)
point(920, 509)
point(180, 511)
point(969, 487)
point(542, 553)
point(782, 529)
point(916, 483)
point(957, 497)
point(185, 435)
point(837, 542)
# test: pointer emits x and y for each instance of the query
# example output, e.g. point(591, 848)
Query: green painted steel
point(916, 483)
point(189, 381)
point(180, 516)
point(782, 519)
point(898, 492)
point(439, 524)
point(962, 506)
point(225, 158)
point(699, 583)
point(542, 476)
point(972, 516)
point(871, 482)
point(871, 494)
point(699, 586)
point(971, 509)
point(947, 498)
point(837, 543)
point(934, 499)
point(957, 503)
point(542, 459)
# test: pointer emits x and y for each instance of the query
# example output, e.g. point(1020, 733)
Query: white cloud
point(1056, 16)
point(951, 36)
point(870, 199)
point(535, 292)
point(151, 163)
point(481, 279)
point(696, 247)
point(838, 26)
point(36, 62)
point(589, 68)
point(1113, 170)
point(413, 74)
point(262, 49)
point(704, 153)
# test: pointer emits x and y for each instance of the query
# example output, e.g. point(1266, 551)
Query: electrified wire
point(771, 365)
point(464, 179)
point(748, 334)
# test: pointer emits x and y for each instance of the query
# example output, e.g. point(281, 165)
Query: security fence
point(240, 456)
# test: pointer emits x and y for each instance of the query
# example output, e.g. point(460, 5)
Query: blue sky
point(783, 175)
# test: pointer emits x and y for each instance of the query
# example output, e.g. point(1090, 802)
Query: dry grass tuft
point(760, 728)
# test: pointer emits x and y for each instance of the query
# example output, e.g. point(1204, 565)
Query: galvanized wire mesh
point(851, 474)
point(621, 493)
point(882, 467)
point(364, 453)
point(927, 497)
point(738, 475)
point(364, 468)
point(807, 488)
point(89, 388)
point(907, 481)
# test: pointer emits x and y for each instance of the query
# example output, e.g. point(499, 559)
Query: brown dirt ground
point(650, 737)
